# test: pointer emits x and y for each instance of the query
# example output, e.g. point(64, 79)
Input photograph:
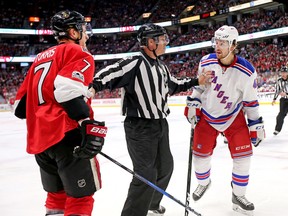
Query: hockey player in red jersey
point(61, 132)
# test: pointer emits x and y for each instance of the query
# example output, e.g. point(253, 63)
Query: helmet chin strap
point(228, 53)
point(154, 51)
point(78, 39)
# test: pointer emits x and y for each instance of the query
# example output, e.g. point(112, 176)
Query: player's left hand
point(192, 110)
point(93, 134)
point(257, 131)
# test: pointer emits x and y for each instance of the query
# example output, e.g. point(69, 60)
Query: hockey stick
point(189, 171)
point(150, 184)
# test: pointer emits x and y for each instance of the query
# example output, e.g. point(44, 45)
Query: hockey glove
point(257, 131)
point(93, 134)
point(192, 110)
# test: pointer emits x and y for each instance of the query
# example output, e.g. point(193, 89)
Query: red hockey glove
point(93, 134)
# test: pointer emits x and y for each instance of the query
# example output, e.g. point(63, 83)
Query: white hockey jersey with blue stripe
point(233, 88)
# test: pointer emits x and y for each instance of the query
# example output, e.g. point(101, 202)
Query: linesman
point(146, 83)
point(282, 90)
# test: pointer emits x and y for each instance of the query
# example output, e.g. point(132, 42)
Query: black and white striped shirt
point(145, 85)
point(281, 86)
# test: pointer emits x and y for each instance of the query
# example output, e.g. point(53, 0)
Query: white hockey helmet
point(228, 33)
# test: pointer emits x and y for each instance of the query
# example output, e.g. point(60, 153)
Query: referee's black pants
point(282, 113)
point(148, 147)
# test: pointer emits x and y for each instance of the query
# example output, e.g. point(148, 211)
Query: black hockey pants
point(148, 146)
point(282, 114)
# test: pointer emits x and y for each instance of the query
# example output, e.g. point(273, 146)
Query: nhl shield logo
point(81, 183)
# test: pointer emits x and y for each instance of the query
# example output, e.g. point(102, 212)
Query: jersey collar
point(227, 66)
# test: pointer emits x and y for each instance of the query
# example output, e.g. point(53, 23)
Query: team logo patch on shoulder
point(78, 75)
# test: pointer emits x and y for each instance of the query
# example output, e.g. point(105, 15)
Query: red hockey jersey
point(59, 74)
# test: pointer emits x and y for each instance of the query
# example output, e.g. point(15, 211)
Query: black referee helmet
point(149, 30)
point(284, 69)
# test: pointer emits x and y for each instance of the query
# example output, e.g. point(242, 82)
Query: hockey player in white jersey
point(232, 90)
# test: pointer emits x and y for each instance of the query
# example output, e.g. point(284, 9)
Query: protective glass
point(89, 30)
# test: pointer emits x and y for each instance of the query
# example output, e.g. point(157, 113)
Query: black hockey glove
point(93, 134)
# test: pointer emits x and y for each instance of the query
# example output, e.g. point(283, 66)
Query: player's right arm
point(71, 82)
point(198, 90)
point(71, 87)
point(193, 102)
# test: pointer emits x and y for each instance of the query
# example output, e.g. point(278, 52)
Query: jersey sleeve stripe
point(254, 103)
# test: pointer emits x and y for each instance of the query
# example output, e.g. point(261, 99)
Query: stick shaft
point(150, 184)
point(189, 171)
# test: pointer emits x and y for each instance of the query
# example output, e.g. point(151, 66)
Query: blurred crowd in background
point(267, 55)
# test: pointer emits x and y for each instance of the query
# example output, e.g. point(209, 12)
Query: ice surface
point(21, 191)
